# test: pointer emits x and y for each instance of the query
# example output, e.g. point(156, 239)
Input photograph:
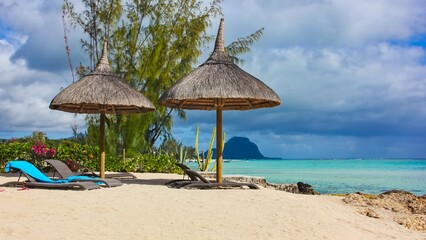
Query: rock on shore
point(403, 207)
point(299, 188)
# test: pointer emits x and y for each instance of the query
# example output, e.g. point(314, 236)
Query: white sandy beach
point(147, 209)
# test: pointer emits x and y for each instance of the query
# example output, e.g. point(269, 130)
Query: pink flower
point(42, 152)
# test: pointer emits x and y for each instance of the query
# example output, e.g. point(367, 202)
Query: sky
point(351, 76)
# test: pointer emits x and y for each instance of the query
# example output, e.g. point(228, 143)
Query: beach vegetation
point(152, 44)
point(203, 160)
point(242, 45)
point(154, 163)
point(14, 149)
point(80, 156)
point(75, 153)
point(174, 148)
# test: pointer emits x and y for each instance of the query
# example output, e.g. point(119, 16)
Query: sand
point(147, 209)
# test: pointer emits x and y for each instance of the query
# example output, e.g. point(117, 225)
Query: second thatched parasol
point(218, 84)
point(101, 92)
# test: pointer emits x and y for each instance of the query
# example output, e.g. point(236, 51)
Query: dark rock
point(294, 188)
point(306, 189)
point(291, 188)
point(402, 192)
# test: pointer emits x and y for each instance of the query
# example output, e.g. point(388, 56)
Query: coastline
point(147, 209)
point(333, 176)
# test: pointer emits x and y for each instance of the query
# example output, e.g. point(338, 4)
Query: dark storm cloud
point(351, 75)
point(40, 22)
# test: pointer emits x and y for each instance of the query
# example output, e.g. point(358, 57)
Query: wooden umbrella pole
point(219, 145)
point(102, 145)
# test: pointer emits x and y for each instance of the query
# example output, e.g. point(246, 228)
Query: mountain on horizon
point(240, 148)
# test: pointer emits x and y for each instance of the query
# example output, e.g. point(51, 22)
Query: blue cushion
point(31, 171)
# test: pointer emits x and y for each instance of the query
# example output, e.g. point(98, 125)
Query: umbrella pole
point(219, 145)
point(102, 145)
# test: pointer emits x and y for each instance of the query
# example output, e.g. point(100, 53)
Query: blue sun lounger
point(38, 179)
point(65, 173)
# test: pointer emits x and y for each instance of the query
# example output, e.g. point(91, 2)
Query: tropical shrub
point(143, 163)
point(39, 152)
point(204, 163)
point(157, 163)
point(76, 155)
point(83, 154)
point(13, 150)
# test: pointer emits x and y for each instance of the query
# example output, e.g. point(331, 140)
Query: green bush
point(157, 163)
point(62, 150)
point(86, 155)
point(143, 163)
point(13, 150)
point(114, 164)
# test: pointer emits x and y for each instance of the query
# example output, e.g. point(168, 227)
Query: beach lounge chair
point(37, 179)
point(199, 182)
point(65, 172)
point(183, 167)
point(90, 173)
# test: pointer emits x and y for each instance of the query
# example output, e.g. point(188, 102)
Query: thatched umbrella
point(218, 84)
point(101, 92)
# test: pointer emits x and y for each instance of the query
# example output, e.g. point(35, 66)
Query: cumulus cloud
point(350, 81)
point(351, 75)
point(321, 23)
point(25, 97)
point(37, 28)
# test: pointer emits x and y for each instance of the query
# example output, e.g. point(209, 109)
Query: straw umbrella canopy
point(218, 84)
point(101, 92)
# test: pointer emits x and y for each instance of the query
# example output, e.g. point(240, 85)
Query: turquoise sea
point(337, 175)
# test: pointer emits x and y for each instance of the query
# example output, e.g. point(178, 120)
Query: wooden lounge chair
point(37, 179)
point(199, 182)
point(65, 172)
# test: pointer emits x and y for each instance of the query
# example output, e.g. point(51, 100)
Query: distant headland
point(241, 148)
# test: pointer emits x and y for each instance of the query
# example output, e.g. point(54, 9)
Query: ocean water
point(337, 175)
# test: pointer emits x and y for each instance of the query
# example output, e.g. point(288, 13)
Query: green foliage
point(223, 147)
point(114, 164)
point(13, 150)
point(30, 149)
point(173, 148)
point(242, 45)
point(157, 163)
point(182, 154)
point(143, 163)
point(85, 155)
point(152, 44)
point(204, 164)
point(39, 137)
